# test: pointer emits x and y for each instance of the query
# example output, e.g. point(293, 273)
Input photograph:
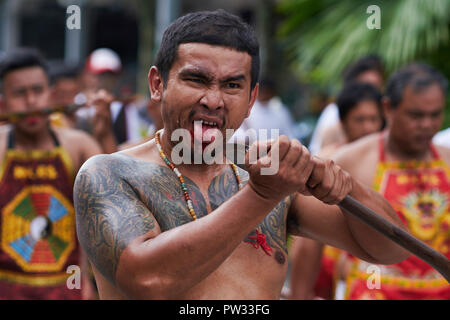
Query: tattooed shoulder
point(109, 211)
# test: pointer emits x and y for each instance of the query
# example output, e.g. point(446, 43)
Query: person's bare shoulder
point(110, 212)
point(129, 145)
point(69, 135)
point(354, 152)
point(360, 158)
point(444, 153)
point(146, 151)
point(328, 151)
point(333, 135)
point(80, 145)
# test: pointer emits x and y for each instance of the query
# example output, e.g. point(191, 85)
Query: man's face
point(27, 90)
point(363, 119)
point(64, 91)
point(209, 83)
point(418, 117)
point(91, 82)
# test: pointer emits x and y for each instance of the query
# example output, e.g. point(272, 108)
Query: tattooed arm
point(124, 241)
point(328, 224)
point(109, 214)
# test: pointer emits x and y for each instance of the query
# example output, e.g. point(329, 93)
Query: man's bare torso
point(249, 272)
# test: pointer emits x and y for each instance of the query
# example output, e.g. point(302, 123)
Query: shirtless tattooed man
point(155, 230)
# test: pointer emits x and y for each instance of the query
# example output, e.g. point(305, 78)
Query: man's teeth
point(208, 123)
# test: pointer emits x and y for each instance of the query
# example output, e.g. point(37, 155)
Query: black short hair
point(64, 71)
point(210, 27)
point(367, 63)
point(21, 58)
point(419, 76)
point(355, 92)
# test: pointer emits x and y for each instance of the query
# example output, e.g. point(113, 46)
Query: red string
point(260, 241)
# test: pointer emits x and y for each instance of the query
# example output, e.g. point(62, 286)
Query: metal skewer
point(80, 102)
point(410, 243)
point(15, 116)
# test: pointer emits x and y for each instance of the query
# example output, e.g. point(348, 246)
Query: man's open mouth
point(206, 131)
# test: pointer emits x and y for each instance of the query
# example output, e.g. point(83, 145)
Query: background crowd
point(327, 80)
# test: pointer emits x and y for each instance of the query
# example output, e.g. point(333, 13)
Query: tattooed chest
point(166, 201)
point(270, 235)
point(170, 210)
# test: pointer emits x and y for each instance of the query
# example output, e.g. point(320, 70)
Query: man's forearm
point(376, 245)
point(197, 248)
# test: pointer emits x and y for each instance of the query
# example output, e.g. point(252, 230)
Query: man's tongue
point(205, 133)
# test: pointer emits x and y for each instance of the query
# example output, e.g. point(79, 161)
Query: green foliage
point(321, 37)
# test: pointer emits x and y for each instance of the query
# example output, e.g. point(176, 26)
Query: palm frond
point(321, 37)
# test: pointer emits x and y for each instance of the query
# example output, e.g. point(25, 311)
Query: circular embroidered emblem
point(38, 229)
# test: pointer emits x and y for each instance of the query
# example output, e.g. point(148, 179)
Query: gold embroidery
point(42, 172)
point(12, 155)
point(33, 280)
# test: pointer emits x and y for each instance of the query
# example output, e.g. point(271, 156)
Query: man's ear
point(155, 84)
point(253, 96)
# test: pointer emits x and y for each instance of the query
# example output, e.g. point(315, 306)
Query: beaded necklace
point(259, 240)
point(181, 178)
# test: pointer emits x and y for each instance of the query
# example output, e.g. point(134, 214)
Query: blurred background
point(305, 44)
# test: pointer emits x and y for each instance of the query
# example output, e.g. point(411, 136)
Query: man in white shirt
point(442, 138)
